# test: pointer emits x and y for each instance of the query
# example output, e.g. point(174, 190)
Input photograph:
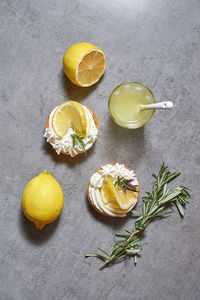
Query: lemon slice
point(116, 196)
point(70, 113)
point(108, 192)
point(84, 64)
point(125, 200)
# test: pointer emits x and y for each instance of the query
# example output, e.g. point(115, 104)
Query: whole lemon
point(42, 199)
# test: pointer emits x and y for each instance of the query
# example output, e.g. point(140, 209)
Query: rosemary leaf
point(135, 259)
point(122, 235)
point(136, 212)
point(96, 255)
point(76, 139)
point(180, 208)
point(133, 251)
point(127, 230)
point(103, 252)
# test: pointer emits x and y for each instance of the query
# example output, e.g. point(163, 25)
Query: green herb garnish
point(76, 139)
point(125, 184)
point(156, 204)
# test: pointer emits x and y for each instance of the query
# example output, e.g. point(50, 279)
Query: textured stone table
point(153, 42)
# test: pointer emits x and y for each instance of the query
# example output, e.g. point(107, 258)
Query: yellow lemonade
point(124, 104)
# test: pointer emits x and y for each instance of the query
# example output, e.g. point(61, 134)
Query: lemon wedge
point(116, 196)
point(84, 64)
point(125, 200)
point(70, 113)
point(108, 192)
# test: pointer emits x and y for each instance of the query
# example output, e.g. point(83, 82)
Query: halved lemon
point(115, 195)
point(70, 113)
point(84, 64)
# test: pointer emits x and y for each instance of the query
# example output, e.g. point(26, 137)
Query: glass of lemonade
point(124, 104)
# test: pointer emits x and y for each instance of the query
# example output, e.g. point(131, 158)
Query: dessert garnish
point(125, 184)
point(156, 204)
point(69, 114)
point(76, 139)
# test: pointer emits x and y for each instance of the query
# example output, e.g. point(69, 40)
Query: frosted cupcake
point(71, 128)
point(113, 190)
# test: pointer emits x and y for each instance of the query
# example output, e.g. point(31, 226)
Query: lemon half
point(84, 64)
point(42, 199)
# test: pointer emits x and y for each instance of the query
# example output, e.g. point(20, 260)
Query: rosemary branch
point(156, 204)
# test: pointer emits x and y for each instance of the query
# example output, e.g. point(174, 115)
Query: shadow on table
point(65, 159)
point(34, 235)
point(115, 223)
point(126, 145)
point(75, 92)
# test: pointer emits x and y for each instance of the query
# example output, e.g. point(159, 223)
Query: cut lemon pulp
point(84, 64)
point(91, 68)
point(70, 113)
point(116, 196)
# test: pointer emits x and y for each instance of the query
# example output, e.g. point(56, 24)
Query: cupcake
point(113, 190)
point(71, 128)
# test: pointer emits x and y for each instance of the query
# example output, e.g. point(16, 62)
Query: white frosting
point(64, 144)
point(96, 182)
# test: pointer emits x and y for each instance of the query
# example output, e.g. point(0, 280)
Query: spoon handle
point(160, 105)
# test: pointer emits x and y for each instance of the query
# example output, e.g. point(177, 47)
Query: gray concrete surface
point(154, 42)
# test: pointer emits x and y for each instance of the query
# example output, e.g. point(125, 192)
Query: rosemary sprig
point(156, 204)
point(79, 140)
point(125, 184)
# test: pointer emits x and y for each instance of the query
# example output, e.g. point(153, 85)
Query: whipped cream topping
point(96, 182)
point(64, 144)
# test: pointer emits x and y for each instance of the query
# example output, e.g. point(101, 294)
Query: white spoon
point(160, 105)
